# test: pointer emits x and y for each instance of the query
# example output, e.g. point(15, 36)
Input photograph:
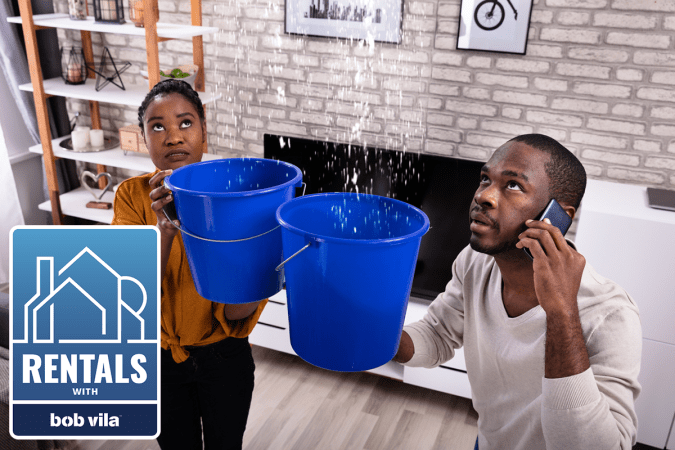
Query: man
point(552, 348)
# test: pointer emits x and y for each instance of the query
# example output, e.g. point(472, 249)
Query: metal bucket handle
point(312, 240)
point(172, 210)
point(278, 268)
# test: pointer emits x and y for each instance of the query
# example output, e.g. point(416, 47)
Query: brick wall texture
point(598, 75)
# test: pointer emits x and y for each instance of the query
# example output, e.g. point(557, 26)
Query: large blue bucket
point(348, 289)
point(226, 210)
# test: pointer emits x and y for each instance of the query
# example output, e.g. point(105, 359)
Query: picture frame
point(378, 21)
point(494, 25)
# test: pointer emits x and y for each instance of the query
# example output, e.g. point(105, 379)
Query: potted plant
point(185, 72)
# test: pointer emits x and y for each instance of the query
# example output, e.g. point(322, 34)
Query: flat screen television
point(442, 187)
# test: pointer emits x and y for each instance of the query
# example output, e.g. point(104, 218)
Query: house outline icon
point(69, 281)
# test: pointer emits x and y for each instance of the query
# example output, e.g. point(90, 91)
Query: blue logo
point(84, 329)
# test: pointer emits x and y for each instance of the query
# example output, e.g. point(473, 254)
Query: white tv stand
point(272, 332)
point(634, 245)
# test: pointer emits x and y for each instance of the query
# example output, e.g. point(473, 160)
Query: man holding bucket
point(552, 348)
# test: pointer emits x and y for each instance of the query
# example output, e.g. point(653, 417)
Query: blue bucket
point(226, 210)
point(350, 260)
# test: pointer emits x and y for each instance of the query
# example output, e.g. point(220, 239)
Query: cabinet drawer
point(271, 337)
point(275, 314)
point(439, 379)
point(391, 369)
point(655, 406)
point(279, 297)
point(457, 361)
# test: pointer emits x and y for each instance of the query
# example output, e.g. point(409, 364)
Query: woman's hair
point(171, 86)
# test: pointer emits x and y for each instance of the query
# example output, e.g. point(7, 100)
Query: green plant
point(175, 73)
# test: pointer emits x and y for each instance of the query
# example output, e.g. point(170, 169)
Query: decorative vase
point(136, 12)
point(77, 9)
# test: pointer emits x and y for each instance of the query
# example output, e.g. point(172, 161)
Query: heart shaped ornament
point(86, 174)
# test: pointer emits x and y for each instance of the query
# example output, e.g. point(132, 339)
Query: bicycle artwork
point(490, 14)
point(491, 25)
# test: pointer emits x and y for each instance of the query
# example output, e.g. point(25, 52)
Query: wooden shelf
point(133, 95)
point(112, 158)
point(74, 203)
point(164, 30)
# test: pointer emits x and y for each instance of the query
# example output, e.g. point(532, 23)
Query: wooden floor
point(298, 406)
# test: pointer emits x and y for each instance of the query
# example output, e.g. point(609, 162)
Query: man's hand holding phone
point(558, 269)
point(557, 216)
point(557, 266)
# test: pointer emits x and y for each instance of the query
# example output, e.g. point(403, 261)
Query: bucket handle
point(278, 268)
point(181, 229)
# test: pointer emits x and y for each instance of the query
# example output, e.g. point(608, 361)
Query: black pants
point(211, 389)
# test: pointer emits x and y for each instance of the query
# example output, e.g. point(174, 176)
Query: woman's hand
point(161, 196)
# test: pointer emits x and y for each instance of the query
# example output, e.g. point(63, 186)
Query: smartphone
point(558, 217)
point(170, 208)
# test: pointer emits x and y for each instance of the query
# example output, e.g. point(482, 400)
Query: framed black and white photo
point(494, 25)
point(370, 20)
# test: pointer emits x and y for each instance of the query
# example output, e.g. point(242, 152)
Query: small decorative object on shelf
point(73, 67)
point(96, 139)
point(136, 12)
point(79, 139)
point(84, 140)
point(108, 72)
point(132, 140)
point(97, 204)
point(108, 11)
point(77, 9)
point(186, 72)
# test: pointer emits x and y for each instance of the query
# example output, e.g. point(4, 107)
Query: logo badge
point(84, 329)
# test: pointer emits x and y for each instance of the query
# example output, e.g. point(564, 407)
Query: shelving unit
point(73, 203)
point(164, 30)
point(133, 95)
point(114, 157)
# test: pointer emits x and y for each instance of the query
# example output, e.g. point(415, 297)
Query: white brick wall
point(599, 75)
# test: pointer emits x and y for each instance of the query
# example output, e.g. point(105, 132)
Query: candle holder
point(73, 66)
point(108, 11)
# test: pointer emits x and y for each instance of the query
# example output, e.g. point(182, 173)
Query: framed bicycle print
point(372, 20)
point(494, 25)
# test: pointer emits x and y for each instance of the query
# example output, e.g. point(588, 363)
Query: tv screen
point(442, 187)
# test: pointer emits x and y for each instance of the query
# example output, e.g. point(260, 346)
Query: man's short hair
point(566, 174)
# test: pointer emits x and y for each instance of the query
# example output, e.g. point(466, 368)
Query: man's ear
point(570, 210)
